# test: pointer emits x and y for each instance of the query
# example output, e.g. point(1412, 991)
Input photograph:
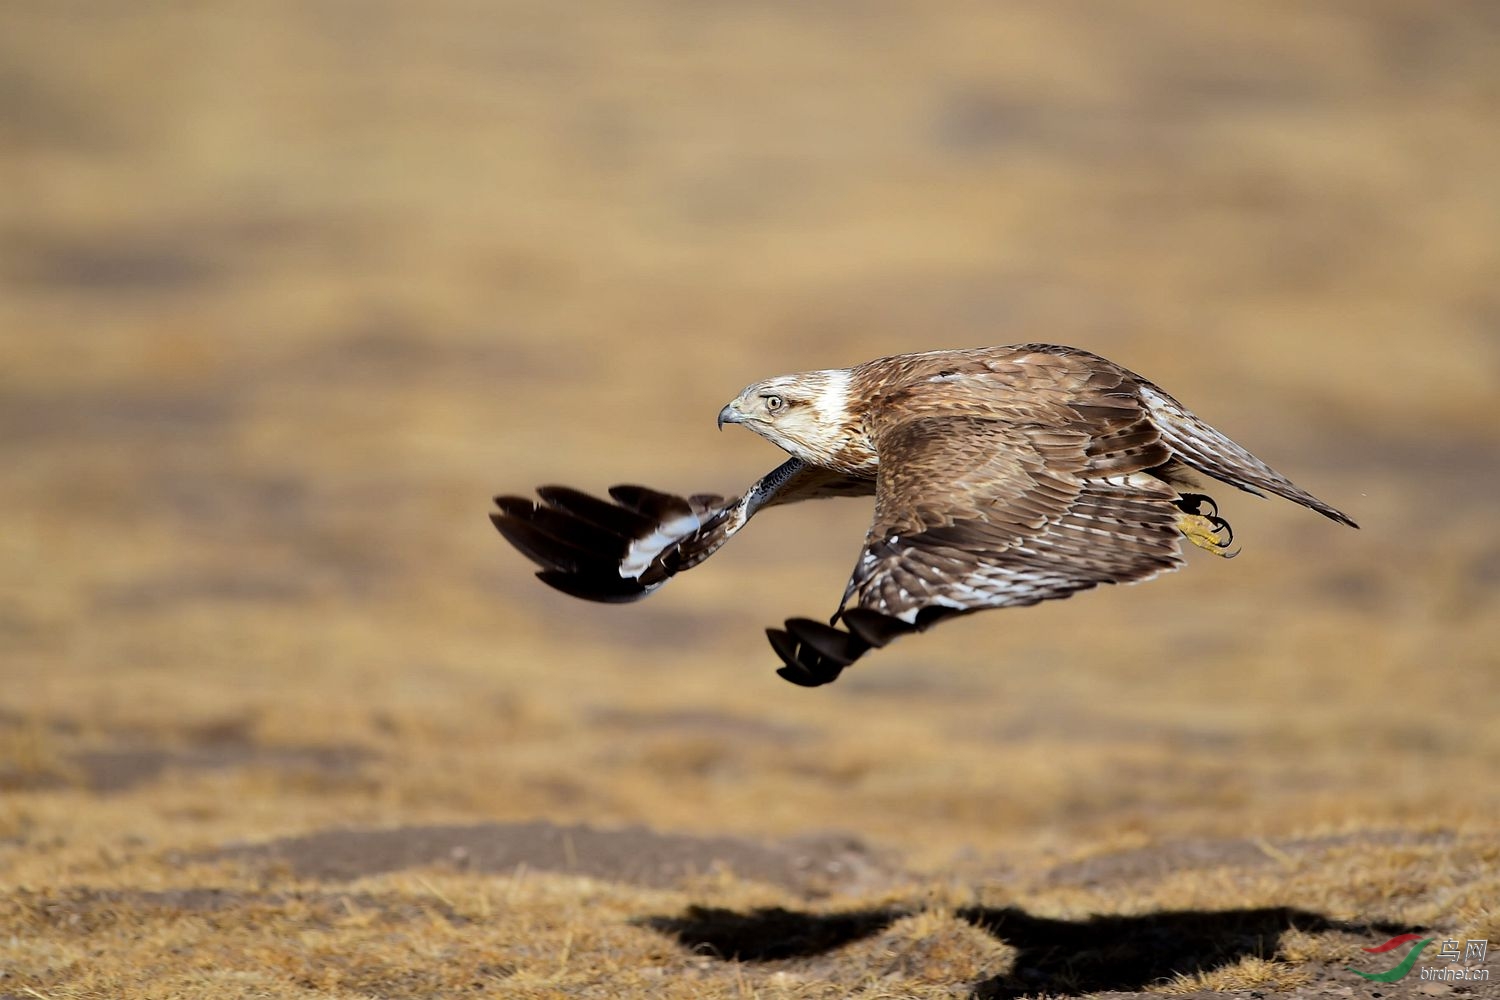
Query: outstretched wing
point(622, 549)
point(1212, 452)
point(993, 494)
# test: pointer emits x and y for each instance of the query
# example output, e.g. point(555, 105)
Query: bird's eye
point(774, 403)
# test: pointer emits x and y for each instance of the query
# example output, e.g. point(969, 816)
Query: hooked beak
point(730, 415)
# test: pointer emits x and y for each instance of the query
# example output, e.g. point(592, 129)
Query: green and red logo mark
point(1406, 964)
point(1448, 955)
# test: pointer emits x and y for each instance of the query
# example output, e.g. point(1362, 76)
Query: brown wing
point(621, 550)
point(1210, 451)
point(996, 491)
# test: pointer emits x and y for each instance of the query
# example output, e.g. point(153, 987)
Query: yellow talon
point(1207, 535)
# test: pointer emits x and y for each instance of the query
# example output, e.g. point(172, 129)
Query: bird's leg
point(1208, 531)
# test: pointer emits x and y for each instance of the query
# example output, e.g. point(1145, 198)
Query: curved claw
point(1219, 524)
point(1209, 532)
point(1192, 503)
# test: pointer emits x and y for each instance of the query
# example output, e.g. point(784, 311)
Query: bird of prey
point(1002, 476)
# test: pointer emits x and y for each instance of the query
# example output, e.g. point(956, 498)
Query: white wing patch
point(643, 551)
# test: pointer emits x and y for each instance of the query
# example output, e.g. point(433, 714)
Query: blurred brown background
point(288, 290)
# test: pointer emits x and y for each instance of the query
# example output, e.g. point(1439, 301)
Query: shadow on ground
point(1055, 957)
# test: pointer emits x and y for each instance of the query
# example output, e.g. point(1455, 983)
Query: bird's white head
point(807, 414)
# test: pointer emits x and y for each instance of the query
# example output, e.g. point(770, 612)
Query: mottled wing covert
point(989, 499)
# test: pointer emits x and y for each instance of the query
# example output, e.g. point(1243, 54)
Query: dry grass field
point(288, 290)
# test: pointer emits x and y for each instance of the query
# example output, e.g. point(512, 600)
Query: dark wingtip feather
point(799, 669)
point(517, 506)
point(1311, 502)
point(603, 589)
point(613, 517)
point(1334, 514)
point(831, 643)
point(784, 645)
point(648, 502)
point(538, 546)
point(814, 653)
point(873, 627)
point(799, 677)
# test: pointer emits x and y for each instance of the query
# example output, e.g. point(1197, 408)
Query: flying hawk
point(1002, 476)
